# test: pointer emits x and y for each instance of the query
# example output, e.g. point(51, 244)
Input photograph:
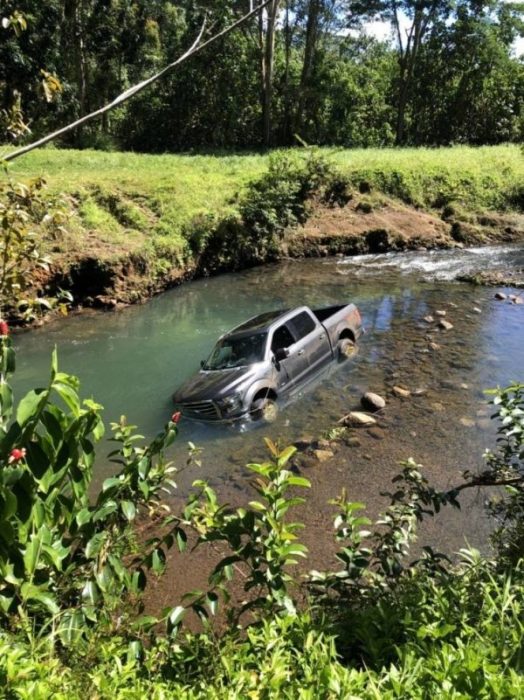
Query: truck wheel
point(265, 410)
point(346, 348)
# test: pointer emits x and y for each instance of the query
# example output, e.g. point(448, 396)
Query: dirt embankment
point(381, 224)
point(368, 223)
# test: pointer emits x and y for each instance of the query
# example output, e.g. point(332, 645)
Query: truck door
point(312, 344)
point(283, 339)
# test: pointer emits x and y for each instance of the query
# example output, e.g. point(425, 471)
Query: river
point(132, 360)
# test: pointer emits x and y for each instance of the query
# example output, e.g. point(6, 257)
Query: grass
point(483, 177)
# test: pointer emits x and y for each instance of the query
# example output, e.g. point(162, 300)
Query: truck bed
point(333, 318)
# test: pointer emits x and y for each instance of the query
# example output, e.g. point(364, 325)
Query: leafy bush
point(279, 199)
point(64, 557)
point(263, 544)
point(23, 208)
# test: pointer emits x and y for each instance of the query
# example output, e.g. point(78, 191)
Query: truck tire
point(264, 410)
point(346, 348)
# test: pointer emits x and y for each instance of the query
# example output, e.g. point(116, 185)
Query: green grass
point(483, 177)
point(127, 202)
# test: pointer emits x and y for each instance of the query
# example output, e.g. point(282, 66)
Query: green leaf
point(128, 509)
point(158, 561)
point(212, 602)
point(176, 615)
point(68, 395)
point(83, 516)
point(134, 650)
point(106, 509)
point(30, 592)
point(90, 593)
point(54, 363)
point(30, 405)
point(9, 506)
point(181, 539)
point(94, 545)
point(111, 483)
point(299, 481)
point(72, 627)
point(286, 455)
point(6, 400)
point(32, 554)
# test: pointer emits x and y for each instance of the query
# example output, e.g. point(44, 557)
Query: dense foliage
point(447, 75)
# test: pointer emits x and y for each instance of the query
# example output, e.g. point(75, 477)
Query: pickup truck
point(266, 358)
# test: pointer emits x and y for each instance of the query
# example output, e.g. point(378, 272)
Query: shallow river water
point(132, 360)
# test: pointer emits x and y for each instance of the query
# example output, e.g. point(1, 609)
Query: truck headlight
point(231, 403)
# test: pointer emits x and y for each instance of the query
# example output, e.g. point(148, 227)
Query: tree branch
point(486, 481)
point(195, 48)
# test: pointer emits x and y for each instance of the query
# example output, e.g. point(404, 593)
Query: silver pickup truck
point(268, 357)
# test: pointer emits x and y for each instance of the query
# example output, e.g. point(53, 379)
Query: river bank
point(138, 224)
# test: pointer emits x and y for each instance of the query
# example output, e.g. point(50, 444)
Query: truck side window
point(302, 324)
point(282, 338)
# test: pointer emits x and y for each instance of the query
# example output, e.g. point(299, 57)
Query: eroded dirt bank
point(368, 223)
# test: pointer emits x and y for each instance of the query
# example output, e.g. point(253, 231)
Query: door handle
point(321, 337)
point(300, 352)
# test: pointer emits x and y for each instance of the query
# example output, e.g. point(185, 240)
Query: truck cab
point(266, 358)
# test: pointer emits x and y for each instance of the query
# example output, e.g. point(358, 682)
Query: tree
point(421, 16)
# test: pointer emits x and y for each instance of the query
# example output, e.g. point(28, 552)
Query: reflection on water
point(131, 361)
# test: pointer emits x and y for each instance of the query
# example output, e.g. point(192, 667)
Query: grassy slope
point(150, 205)
point(128, 199)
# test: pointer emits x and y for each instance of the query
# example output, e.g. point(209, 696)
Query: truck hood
point(211, 385)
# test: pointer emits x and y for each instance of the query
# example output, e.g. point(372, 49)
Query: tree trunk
point(268, 70)
point(74, 43)
point(310, 49)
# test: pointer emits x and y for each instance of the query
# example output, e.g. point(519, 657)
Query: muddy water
point(132, 360)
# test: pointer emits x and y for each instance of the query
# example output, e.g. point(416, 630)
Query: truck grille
point(201, 410)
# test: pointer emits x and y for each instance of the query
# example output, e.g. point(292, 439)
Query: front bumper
point(209, 412)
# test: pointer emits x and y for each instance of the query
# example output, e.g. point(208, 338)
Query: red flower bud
point(16, 455)
point(175, 418)
point(4, 328)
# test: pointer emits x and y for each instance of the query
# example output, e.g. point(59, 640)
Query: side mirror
point(281, 354)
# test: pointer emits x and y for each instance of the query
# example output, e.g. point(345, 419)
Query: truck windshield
point(237, 351)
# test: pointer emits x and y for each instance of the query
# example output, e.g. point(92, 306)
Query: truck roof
point(259, 322)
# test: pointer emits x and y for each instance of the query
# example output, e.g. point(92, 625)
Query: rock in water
point(445, 325)
point(376, 433)
point(401, 392)
point(357, 418)
point(372, 402)
point(500, 295)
